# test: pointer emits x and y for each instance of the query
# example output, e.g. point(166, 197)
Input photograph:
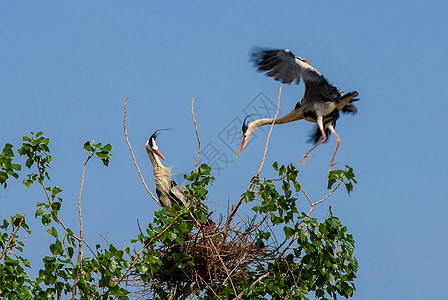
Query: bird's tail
point(345, 105)
point(315, 138)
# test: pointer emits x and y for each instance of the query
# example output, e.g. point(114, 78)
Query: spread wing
point(283, 66)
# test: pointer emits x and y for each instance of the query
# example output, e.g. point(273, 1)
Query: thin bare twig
point(235, 209)
point(272, 127)
point(81, 233)
point(13, 234)
point(132, 154)
point(252, 285)
point(320, 201)
point(202, 279)
point(223, 264)
point(197, 136)
point(307, 197)
point(55, 215)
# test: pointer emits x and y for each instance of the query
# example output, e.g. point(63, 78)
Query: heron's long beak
point(241, 147)
point(157, 152)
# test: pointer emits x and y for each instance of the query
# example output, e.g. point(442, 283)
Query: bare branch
point(197, 136)
point(55, 215)
point(237, 206)
point(81, 233)
point(320, 201)
point(132, 154)
point(307, 197)
point(252, 285)
point(272, 127)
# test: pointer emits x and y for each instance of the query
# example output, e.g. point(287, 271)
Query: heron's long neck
point(292, 116)
point(162, 174)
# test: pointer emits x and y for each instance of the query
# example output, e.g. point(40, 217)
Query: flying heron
point(168, 191)
point(321, 102)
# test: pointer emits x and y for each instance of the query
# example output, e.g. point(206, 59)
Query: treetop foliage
point(277, 252)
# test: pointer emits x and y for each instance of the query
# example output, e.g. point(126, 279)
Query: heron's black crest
point(245, 125)
point(154, 136)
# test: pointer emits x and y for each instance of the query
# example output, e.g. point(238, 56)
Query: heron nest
point(222, 253)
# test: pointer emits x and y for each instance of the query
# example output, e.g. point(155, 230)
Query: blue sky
point(66, 69)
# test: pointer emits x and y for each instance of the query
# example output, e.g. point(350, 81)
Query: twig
point(135, 259)
point(197, 136)
point(320, 201)
point(81, 233)
point(223, 264)
point(272, 127)
point(307, 197)
point(12, 237)
point(132, 154)
point(252, 285)
point(235, 209)
point(203, 280)
point(55, 215)
point(313, 204)
point(336, 251)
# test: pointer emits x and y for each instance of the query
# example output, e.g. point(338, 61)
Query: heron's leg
point(330, 126)
point(324, 138)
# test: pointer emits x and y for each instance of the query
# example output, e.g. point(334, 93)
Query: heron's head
point(151, 145)
point(247, 131)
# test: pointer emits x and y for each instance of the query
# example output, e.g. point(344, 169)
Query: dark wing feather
point(177, 194)
point(283, 66)
point(350, 108)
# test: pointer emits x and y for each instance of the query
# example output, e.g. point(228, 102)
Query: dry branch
point(81, 233)
point(235, 209)
point(197, 136)
point(132, 154)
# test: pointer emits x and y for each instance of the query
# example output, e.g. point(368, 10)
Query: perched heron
point(168, 191)
point(321, 102)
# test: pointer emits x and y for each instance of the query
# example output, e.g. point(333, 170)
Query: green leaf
point(56, 190)
point(88, 147)
point(71, 251)
point(303, 235)
point(204, 169)
point(27, 182)
point(106, 148)
point(29, 162)
point(53, 232)
point(289, 232)
point(249, 196)
point(39, 212)
point(102, 155)
point(143, 268)
point(16, 167)
point(56, 248)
